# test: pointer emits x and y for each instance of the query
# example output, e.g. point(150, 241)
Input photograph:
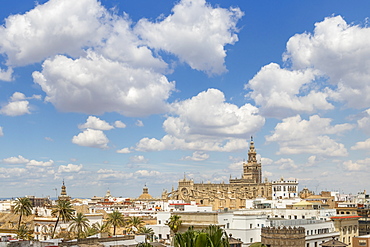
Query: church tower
point(252, 170)
point(63, 194)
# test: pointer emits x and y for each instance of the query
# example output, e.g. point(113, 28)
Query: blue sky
point(118, 94)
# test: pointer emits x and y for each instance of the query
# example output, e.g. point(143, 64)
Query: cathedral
point(230, 195)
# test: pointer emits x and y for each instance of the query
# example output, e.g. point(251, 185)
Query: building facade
point(230, 195)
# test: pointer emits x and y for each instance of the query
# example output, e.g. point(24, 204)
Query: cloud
point(138, 159)
point(35, 163)
point(195, 32)
point(51, 28)
point(49, 139)
point(96, 124)
point(197, 156)
point(146, 173)
point(266, 161)
point(6, 173)
point(359, 165)
point(6, 75)
point(1, 131)
point(91, 138)
point(124, 151)
point(286, 164)
point(206, 123)
point(75, 86)
point(340, 51)
point(16, 160)
point(139, 123)
point(281, 92)
point(295, 135)
point(364, 122)
point(119, 124)
point(109, 174)
point(16, 108)
point(365, 145)
point(18, 105)
point(69, 168)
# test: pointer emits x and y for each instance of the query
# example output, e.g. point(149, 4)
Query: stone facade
point(230, 195)
point(283, 237)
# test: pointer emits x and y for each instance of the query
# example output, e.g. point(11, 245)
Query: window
point(251, 240)
point(160, 236)
point(250, 226)
point(308, 245)
point(315, 244)
point(159, 222)
point(362, 242)
point(168, 236)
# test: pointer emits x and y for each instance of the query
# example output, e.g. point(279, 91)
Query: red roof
point(345, 217)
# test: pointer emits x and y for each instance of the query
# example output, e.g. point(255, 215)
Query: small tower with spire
point(63, 193)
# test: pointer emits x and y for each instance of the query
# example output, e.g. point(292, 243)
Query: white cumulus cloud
point(195, 32)
point(91, 138)
point(69, 168)
point(124, 151)
point(197, 156)
point(282, 92)
point(341, 52)
point(76, 86)
point(295, 135)
point(58, 26)
point(119, 124)
point(95, 123)
point(16, 160)
point(206, 123)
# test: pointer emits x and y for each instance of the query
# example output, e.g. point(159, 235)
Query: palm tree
point(212, 236)
point(115, 219)
point(22, 207)
point(147, 231)
point(24, 232)
point(135, 222)
point(79, 224)
point(174, 223)
point(186, 239)
point(217, 236)
point(101, 228)
point(144, 245)
point(64, 211)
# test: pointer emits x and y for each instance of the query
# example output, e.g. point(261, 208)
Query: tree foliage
point(116, 219)
point(174, 223)
point(79, 224)
point(134, 223)
point(212, 236)
point(24, 232)
point(63, 211)
point(22, 207)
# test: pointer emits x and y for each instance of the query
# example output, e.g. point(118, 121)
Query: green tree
point(134, 223)
point(174, 223)
point(212, 236)
point(24, 232)
point(217, 236)
point(63, 211)
point(257, 245)
point(147, 231)
point(22, 207)
point(116, 219)
point(101, 228)
point(79, 224)
point(144, 245)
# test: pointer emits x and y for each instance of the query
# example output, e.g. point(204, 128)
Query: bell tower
point(252, 170)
